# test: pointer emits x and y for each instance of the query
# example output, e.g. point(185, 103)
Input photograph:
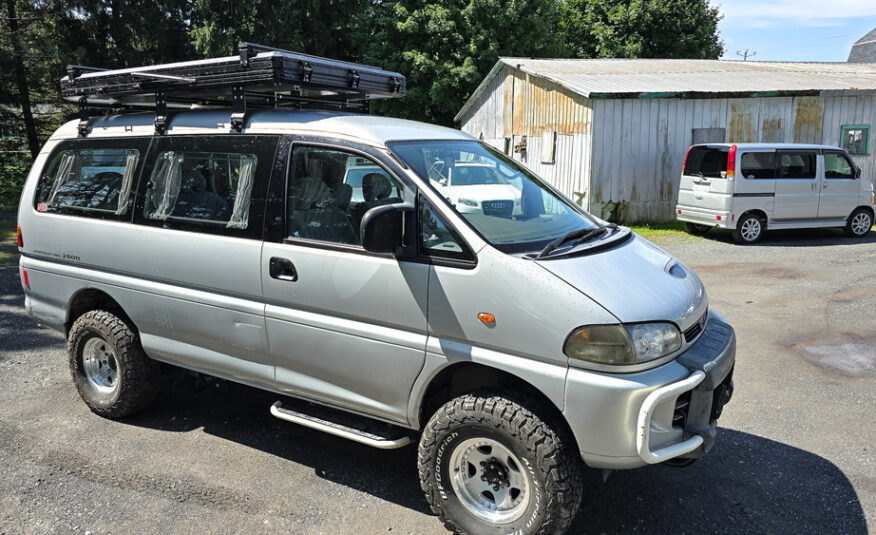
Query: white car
point(479, 187)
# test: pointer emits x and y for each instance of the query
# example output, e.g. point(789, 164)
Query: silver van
point(516, 343)
point(750, 187)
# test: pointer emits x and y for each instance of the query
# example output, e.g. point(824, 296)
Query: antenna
point(746, 54)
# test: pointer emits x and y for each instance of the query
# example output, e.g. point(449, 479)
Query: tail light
point(684, 165)
point(18, 233)
point(731, 162)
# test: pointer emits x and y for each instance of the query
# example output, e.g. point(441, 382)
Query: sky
point(794, 30)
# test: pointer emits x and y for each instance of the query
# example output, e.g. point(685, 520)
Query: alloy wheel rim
point(861, 223)
point(751, 229)
point(489, 480)
point(100, 365)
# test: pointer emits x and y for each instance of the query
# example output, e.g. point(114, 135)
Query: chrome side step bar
point(334, 422)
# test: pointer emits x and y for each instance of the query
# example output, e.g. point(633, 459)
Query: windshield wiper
point(580, 236)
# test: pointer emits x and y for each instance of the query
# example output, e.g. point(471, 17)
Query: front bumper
point(631, 420)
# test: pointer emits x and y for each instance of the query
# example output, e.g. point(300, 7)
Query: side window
point(203, 187)
point(436, 237)
point(330, 191)
point(797, 165)
point(836, 165)
point(758, 165)
point(88, 180)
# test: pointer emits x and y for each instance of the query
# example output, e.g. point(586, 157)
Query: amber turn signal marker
point(487, 318)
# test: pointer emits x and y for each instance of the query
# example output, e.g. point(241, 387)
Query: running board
point(357, 428)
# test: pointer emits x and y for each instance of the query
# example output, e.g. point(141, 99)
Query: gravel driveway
point(795, 454)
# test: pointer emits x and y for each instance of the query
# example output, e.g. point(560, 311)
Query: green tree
point(445, 48)
point(642, 29)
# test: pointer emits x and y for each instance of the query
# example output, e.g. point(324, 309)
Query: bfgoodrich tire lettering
point(112, 374)
point(547, 499)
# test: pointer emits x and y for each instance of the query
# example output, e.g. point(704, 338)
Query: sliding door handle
point(282, 269)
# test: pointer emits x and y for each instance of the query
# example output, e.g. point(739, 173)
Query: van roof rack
point(259, 77)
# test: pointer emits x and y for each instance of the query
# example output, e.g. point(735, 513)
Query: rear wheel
point(749, 229)
point(489, 465)
point(112, 374)
point(699, 230)
point(859, 223)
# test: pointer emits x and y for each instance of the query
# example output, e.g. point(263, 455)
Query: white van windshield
point(511, 208)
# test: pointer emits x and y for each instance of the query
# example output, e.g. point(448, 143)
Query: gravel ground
point(795, 453)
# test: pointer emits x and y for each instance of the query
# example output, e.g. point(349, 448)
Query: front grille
point(679, 417)
point(498, 208)
point(694, 330)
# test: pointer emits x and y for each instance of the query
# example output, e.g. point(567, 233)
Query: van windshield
point(706, 161)
point(511, 208)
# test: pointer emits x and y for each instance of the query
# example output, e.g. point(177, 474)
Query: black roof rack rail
point(258, 77)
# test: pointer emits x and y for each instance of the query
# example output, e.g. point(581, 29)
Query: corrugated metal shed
point(691, 78)
point(619, 129)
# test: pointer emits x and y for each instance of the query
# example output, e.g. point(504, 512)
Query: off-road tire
point(854, 222)
point(698, 230)
point(522, 426)
point(137, 374)
point(744, 237)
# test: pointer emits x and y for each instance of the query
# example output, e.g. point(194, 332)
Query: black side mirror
point(857, 172)
point(382, 227)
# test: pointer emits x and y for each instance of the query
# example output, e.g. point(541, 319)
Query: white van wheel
point(112, 374)
point(489, 465)
point(749, 229)
point(859, 223)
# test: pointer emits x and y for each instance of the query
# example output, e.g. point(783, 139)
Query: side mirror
point(382, 227)
point(857, 172)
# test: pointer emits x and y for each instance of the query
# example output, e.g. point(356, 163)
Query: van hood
point(635, 281)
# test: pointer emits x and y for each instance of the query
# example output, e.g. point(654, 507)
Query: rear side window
point(88, 180)
point(708, 162)
point(836, 165)
point(205, 187)
point(759, 165)
point(796, 165)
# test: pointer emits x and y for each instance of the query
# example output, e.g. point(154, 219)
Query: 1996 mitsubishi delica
point(234, 229)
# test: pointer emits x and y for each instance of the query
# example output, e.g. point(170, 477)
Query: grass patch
point(662, 230)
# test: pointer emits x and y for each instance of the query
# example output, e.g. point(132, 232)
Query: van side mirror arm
point(857, 172)
point(383, 228)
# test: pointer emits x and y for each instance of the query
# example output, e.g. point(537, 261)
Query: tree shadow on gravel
point(747, 484)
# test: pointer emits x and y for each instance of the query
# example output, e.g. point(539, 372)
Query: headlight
point(623, 344)
point(468, 202)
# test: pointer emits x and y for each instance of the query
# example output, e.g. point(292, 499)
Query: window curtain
point(240, 213)
point(127, 181)
point(65, 167)
point(166, 183)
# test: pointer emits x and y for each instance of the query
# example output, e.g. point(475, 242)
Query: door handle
point(282, 269)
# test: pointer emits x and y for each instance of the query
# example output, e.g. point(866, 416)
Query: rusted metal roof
point(675, 78)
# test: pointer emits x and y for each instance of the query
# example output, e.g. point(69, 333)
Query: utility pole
point(745, 55)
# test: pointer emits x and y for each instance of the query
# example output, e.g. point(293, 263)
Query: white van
point(749, 187)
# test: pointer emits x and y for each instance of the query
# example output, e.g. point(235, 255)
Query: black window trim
point(463, 263)
point(779, 153)
point(121, 143)
point(843, 154)
point(387, 162)
point(255, 224)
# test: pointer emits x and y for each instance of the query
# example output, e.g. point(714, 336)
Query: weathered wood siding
point(623, 157)
point(639, 144)
point(517, 105)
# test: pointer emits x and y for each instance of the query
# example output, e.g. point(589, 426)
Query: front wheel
point(749, 229)
point(489, 465)
point(859, 223)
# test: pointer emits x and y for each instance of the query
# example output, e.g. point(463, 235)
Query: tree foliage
point(642, 29)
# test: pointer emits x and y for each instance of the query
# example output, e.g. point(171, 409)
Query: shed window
point(856, 138)
point(758, 165)
point(708, 135)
